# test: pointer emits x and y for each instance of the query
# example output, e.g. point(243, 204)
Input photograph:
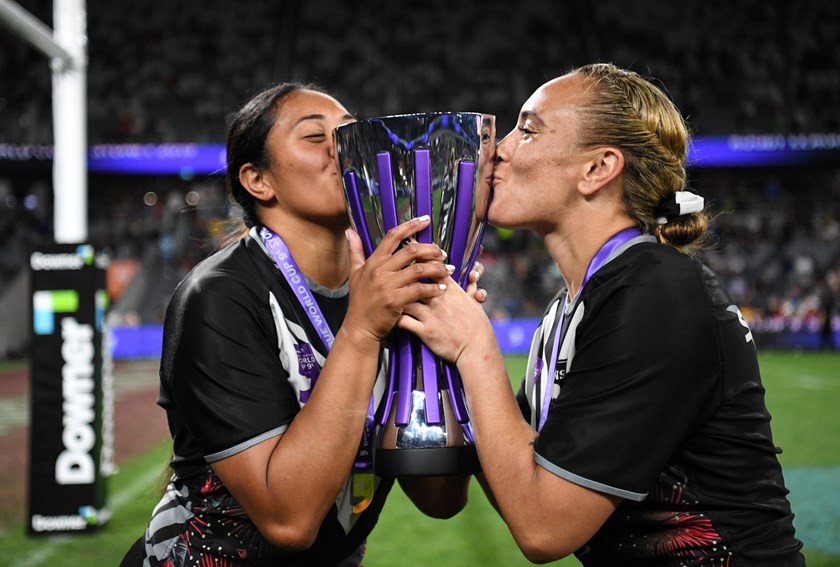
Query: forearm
point(287, 484)
point(503, 438)
point(318, 450)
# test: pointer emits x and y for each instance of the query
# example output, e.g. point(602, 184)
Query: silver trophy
point(395, 168)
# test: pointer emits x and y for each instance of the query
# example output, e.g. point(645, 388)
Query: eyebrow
point(526, 114)
point(320, 117)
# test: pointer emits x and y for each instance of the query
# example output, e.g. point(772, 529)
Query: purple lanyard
point(288, 267)
point(595, 264)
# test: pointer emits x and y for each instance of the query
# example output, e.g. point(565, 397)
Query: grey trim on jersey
point(615, 254)
point(327, 292)
point(246, 444)
point(585, 482)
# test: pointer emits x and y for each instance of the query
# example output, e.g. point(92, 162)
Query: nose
point(331, 147)
point(501, 151)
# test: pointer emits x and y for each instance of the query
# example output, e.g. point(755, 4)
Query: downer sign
point(69, 435)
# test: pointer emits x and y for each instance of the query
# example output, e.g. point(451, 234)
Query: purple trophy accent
point(465, 278)
point(395, 168)
point(423, 199)
point(357, 212)
point(404, 357)
point(428, 365)
point(406, 379)
point(463, 215)
point(393, 368)
point(423, 188)
point(453, 382)
point(386, 191)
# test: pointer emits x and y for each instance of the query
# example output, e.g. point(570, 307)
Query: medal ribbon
point(595, 264)
point(363, 482)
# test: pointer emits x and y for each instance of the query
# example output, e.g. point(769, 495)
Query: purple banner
point(185, 159)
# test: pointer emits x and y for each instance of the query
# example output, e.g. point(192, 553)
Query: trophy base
point(429, 461)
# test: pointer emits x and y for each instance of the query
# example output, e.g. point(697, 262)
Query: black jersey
point(239, 359)
point(657, 398)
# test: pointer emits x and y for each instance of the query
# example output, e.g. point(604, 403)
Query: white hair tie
point(678, 204)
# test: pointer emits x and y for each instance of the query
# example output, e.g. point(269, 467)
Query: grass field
point(803, 396)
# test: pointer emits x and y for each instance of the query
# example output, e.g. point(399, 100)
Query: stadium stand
point(172, 75)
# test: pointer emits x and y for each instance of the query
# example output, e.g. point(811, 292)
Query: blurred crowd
point(174, 74)
point(774, 240)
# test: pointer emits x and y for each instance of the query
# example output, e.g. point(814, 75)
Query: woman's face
point(538, 163)
point(303, 169)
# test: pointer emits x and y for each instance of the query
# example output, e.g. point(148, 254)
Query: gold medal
point(362, 491)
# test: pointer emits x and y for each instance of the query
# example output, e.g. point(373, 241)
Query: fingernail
point(476, 275)
point(347, 234)
point(450, 268)
point(445, 255)
point(424, 218)
point(442, 286)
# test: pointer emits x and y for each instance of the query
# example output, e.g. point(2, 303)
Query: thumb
point(357, 253)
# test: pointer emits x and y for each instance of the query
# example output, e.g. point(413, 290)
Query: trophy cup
point(395, 168)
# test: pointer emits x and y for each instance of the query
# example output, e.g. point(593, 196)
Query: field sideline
point(803, 397)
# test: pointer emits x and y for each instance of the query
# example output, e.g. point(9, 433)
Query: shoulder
point(652, 267)
point(657, 283)
point(235, 274)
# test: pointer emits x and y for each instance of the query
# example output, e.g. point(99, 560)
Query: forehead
point(307, 103)
point(557, 99)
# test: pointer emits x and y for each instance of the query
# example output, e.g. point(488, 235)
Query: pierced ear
point(253, 180)
point(605, 165)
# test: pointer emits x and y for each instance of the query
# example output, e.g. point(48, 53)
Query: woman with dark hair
point(269, 469)
point(640, 434)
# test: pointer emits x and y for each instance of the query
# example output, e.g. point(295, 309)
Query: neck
point(319, 251)
point(573, 250)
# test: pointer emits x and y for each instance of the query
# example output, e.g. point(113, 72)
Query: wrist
point(359, 340)
point(480, 352)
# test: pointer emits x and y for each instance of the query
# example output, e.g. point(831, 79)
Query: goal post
point(66, 48)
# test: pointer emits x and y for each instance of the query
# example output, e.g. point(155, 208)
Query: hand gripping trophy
point(395, 168)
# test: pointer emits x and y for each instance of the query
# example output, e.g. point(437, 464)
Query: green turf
point(803, 392)
point(133, 492)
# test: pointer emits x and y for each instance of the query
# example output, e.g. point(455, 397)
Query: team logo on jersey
point(538, 366)
point(559, 375)
point(308, 367)
point(734, 309)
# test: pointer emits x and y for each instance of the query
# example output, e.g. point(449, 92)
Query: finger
point(394, 237)
point(427, 257)
point(476, 273)
point(417, 292)
point(420, 271)
point(481, 295)
point(356, 251)
point(416, 310)
point(414, 251)
point(410, 324)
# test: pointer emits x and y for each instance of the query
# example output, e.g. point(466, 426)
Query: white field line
point(52, 544)
point(815, 382)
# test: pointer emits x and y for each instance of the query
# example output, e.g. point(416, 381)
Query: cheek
point(524, 172)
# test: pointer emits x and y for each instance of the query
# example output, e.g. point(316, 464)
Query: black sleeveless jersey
point(239, 356)
point(656, 397)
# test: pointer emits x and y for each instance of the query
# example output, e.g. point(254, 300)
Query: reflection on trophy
point(395, 168)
